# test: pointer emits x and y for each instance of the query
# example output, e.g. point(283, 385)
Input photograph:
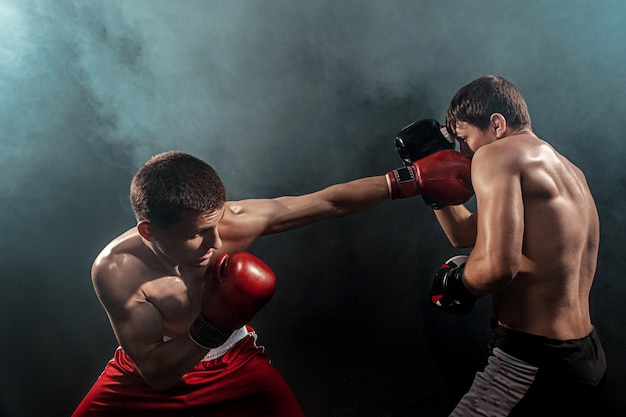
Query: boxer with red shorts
point(241, 382)
point(179, 288)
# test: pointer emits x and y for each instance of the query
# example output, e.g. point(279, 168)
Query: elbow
point(501, 277)
point(502, 280)
point(502, 271)
point(488, 277)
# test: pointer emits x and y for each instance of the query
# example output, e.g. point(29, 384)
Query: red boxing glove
point(443, 176)
point(235, 288)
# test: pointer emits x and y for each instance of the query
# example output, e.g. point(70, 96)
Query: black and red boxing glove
point(235, 288)
point(422, 138)
point(448, 291)
point(443, 176)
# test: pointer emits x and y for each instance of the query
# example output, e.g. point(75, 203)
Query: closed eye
point(203, 231)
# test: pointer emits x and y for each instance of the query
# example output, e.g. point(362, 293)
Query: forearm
point(286, 213)
point(355, 196)
point(459, 225)
point(483, 275)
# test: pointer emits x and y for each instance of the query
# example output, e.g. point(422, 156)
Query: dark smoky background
point(284, 97)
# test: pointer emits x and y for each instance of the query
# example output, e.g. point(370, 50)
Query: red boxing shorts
point(240, 383)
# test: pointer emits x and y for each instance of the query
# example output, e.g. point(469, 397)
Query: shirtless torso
point(535, 235)
point(151, 290)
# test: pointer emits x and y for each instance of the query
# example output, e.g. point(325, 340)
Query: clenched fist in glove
point(421, 139)
point(448, 291)
point(443, 176)
point(235, 288)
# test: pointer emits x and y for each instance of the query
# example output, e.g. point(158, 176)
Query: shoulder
point(243, 222)
point(121, 265)
point(253, 213)
point(495, 160)
point(512, 153)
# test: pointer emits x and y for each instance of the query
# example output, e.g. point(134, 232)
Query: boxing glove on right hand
point(443, 176)
point(235, 288)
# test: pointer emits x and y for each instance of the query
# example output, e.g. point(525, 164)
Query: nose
point(212, 240)
point(217, 240)
point(465, 149)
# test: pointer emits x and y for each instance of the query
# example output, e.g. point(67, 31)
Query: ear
point(497, 123)
point(146, 230)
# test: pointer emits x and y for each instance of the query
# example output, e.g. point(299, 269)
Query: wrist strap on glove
point(402, 183)
point(450, 293)
point(205, 335)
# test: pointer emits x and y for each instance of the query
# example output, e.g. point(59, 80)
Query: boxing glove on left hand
point(421, 139)
point(235, 288)
point(448, 291)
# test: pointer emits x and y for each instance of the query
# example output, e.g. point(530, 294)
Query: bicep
point(137, 323)
point(248, 219)
point(253, 218)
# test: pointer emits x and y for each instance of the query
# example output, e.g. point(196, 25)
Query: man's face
point(471, 138)
point(193, 240)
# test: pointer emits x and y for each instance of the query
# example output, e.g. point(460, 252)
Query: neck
point(162, 261)
point(522, 131)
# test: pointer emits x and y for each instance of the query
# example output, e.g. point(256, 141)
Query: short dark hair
point(171, 182)
point(478, 100)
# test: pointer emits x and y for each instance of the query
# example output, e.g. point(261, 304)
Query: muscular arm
point(138, 324)
point(495, 259)
point(121, 280)
point(247, 219)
